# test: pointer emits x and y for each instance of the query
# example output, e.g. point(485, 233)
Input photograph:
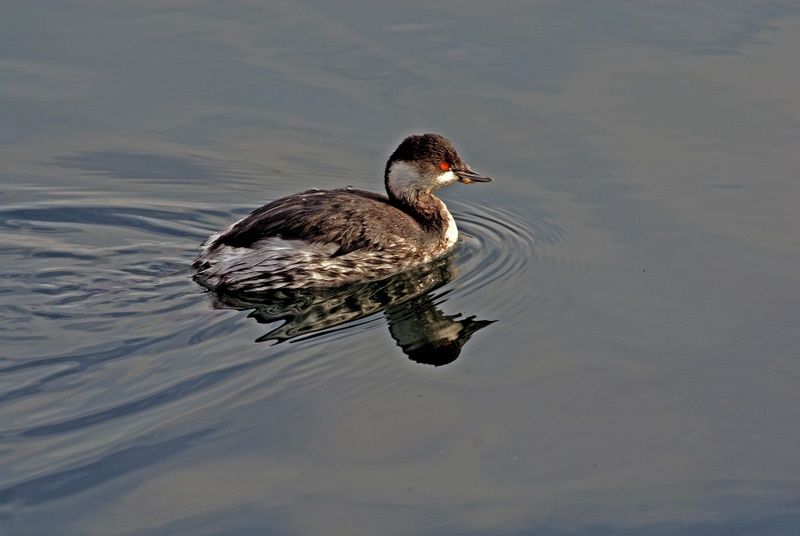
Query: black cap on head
point(429, 147)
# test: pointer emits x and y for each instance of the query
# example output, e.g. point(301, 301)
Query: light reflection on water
point(616, 332)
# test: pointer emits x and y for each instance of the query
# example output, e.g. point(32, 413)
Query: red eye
point(444, 166)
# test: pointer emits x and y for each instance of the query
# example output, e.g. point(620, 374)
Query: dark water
point(617, 334)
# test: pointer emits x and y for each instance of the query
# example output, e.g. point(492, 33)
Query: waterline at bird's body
point(328, 238)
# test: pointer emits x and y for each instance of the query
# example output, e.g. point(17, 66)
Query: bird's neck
point(430, 212)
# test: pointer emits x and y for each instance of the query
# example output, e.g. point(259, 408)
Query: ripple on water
point(504, 262)
point(508, 261)
point(111, 337)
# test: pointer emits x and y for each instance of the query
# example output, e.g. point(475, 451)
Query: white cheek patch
point(403, 177)
point(448, 177)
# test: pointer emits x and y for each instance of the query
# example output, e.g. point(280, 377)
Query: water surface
point(625, 297)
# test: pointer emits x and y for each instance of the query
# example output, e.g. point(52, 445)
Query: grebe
point(329, 238)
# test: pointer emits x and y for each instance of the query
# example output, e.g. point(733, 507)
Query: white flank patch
point(206, 246)
point(272, 258)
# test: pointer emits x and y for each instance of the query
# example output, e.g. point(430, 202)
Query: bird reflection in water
point(424, 333)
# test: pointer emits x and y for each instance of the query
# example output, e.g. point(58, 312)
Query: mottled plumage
point(326, 238)
point(354, 219)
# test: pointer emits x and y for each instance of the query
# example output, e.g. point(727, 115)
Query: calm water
point(616, 337)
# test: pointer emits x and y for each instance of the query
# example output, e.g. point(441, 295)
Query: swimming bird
point(330, 238)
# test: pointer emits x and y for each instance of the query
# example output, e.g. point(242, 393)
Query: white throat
point(451, 233)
